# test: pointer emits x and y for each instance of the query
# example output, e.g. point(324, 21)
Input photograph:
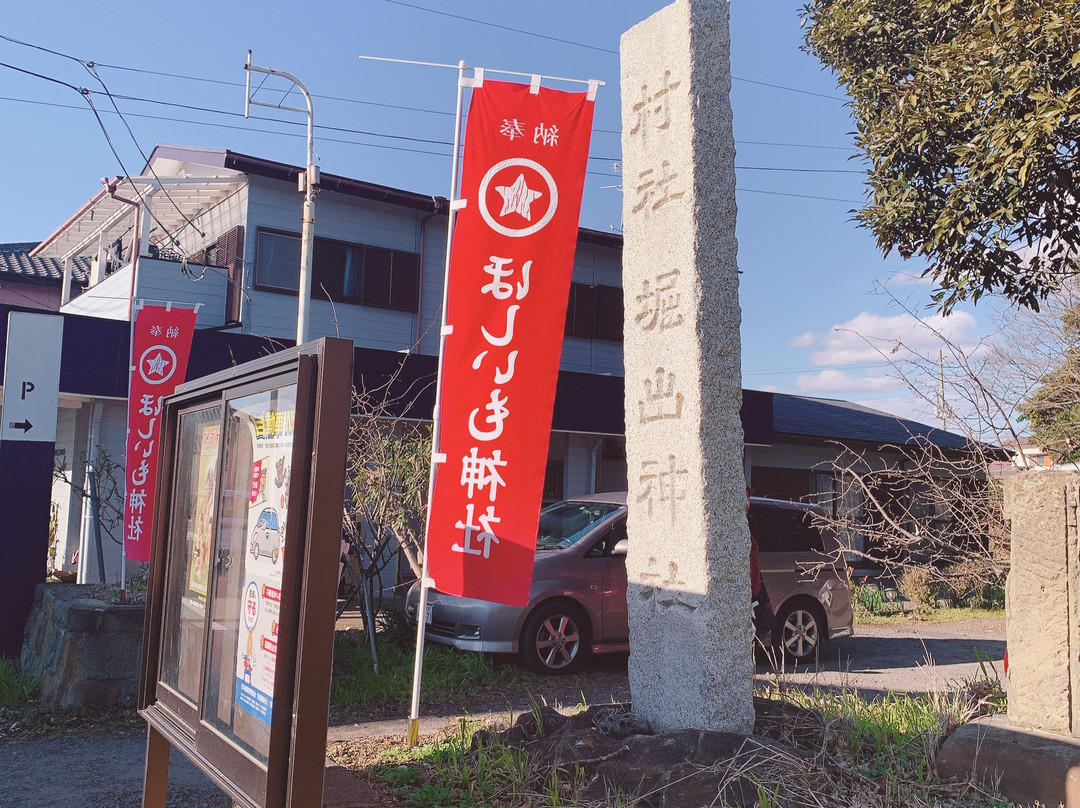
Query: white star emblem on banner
point(517, 198)
point(156, 365)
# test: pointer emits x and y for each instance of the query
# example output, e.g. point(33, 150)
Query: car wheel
point(274, 555)
point(255, 550)
point(798, 632)
point(555, 639)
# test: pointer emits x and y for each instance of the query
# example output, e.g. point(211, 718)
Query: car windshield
point(564, 523)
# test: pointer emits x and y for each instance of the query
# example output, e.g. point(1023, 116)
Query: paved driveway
point(912, 657)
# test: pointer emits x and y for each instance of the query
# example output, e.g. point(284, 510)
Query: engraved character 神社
point(655, 189)
point(662, 483)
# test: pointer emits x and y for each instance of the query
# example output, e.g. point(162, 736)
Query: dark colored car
point(577, 602)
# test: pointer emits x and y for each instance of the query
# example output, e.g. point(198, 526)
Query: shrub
point(917, 585)
point(867, 599)
point(17, 687)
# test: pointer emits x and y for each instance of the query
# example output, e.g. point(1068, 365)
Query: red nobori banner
point(510, 267)
point(160, 346)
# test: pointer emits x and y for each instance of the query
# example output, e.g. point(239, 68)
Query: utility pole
point(309, 186)
point(941, 387)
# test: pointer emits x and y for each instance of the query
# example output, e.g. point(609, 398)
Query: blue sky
point(811, 280)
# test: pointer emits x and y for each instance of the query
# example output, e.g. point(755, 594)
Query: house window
point(340, 271)
point(277, 261)
point(780, 483)
point(594, 312)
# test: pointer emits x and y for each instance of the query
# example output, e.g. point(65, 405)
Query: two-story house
point(222, 230)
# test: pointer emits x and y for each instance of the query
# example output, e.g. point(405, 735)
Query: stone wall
point(82, 651)
point(1042, 628)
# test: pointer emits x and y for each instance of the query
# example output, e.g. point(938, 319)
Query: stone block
point(84, 615)
point(1042, 626)
point(123, 619)
point(1025, 766)
point(688, 565)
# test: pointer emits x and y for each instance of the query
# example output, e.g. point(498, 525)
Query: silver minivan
point(577, 602)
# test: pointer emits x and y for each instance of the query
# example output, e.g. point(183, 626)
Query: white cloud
point(901, 279)
point(839, 382)
point(867, 337)
point(803, 340)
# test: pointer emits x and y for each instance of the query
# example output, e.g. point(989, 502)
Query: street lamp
point(309, 184)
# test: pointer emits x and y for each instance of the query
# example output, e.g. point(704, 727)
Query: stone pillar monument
point(1042, 604)
point(688, 568)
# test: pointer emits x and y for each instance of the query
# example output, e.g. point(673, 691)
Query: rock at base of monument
point(616, 754)
point(1025, 766)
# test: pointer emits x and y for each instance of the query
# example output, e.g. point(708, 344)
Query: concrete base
point(1022, 765)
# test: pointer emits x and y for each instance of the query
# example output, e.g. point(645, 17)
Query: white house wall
point(271, 205)
point(158, 282)
point(107, 300)
point(163, 281)
point(275, 205)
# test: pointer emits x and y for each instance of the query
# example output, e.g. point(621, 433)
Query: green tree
point(968, 112)
point(1053, 409)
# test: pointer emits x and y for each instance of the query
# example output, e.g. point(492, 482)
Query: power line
point(594, 47)
point(433, 141)
point(383, 146)
point(427, 110)
point(503, 27)
point(799, 196)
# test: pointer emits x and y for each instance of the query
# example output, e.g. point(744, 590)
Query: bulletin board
point(238, 640)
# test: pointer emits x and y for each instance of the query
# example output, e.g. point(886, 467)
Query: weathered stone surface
point(1041, 601)
point(689, 589)
point(1024, 765)
point(82, 651)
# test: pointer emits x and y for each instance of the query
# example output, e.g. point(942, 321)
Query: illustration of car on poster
point(267, 535)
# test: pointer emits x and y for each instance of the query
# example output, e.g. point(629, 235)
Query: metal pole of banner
point(134, 308)
point(591, 82)
point(436, 421)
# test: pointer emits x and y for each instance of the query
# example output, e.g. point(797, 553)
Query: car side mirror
point(620, 548)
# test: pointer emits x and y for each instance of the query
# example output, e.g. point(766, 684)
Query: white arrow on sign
point(32, 377)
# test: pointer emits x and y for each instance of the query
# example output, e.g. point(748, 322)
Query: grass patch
point(451, 773)
point(448, 673)
point(878, 752)
point(863, 618)
point(17, 687)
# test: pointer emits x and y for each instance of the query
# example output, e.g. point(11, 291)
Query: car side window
point(763, 526)
point(798, 532)
point(610, 538)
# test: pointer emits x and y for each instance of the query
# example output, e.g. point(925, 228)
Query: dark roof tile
point(841, 420)
point(15, 260)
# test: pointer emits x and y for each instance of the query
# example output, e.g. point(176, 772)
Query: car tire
point(555, 639)
point(274, 555)
point(255, 550)
point(798, 632)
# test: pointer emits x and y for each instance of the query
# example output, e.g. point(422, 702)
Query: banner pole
point(436, 422)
